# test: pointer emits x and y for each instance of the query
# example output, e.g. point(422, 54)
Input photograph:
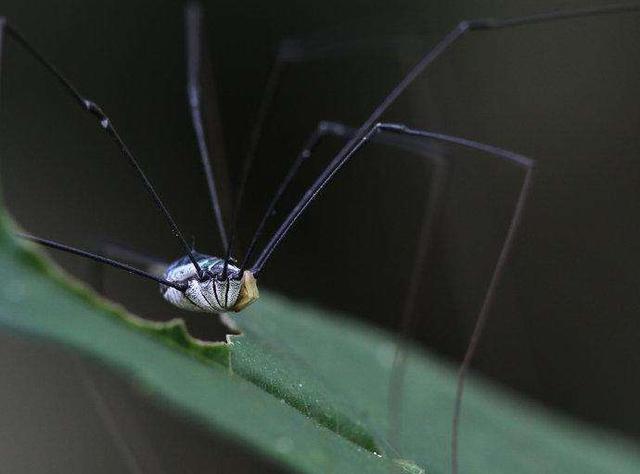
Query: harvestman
point(211, 284)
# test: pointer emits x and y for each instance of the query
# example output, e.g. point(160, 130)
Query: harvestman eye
point(213, 284)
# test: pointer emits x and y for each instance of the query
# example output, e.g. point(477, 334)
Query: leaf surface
point(302, 386)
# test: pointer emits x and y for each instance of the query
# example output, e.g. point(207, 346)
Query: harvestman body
point(213, 284)
point(210, 295)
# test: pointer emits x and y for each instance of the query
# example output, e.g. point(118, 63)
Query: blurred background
point(564, 329)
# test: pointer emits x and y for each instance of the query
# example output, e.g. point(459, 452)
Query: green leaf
point(302, 386)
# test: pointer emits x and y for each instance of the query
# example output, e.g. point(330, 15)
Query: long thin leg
point(106, 416)
point(153, 265)
point(322, 130)
point(514, 158)
point(194, 44)
point(310, 144)
point(288, 51)
point(105, 123)
point(483, 315)
point(408, 318)
point(270, 91)
point(437, 159)
point(400, 359)
point(294, 50)
point(99, 258)
point(366, 128)
point(431, 213)
point(377, 128)
point(369, 127)
point(436, 188)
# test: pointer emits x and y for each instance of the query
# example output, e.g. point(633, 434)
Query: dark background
point(565, 325)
